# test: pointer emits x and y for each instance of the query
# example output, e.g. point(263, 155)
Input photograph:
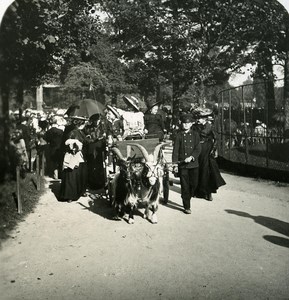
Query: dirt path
point(236, 247)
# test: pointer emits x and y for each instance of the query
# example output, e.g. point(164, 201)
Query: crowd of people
point(75, 148)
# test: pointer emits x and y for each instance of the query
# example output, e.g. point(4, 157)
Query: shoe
point(209, 197)
point(187, 211)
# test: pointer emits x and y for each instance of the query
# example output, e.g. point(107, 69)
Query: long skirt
point(95, 163)
point(73, 183)
point(96, 174)
point(210, 178)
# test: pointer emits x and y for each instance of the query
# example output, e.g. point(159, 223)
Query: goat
point(121, 184)
point(139, 181)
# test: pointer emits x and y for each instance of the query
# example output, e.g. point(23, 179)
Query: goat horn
point(142, 150)
point(117, 152)
point(157, 150)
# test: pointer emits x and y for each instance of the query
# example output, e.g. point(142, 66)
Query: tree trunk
point(114, 98)
point(286, 91)
point(5, 91)
point(176, 101)
point(158, 91)
point(20, 98)
point(286, 79)
point(270, 97)
point(201, 100)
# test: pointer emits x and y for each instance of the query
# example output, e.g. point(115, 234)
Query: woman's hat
point(131, 101)
point(113, 110)
point(151, 106)
point(203, 112)
point(78, 118)
point(94, 117)
point(187, 118)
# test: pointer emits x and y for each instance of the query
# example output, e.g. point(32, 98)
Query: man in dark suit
point(186, 151)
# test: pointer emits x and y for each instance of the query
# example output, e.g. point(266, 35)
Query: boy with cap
point(186, 151)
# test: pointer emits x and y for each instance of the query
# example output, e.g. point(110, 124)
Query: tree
point(38, 37)
point(188, 42)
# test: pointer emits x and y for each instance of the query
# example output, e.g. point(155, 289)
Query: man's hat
point(113, 110)
point(131, 101)
point(187, 118)
point(151, 106)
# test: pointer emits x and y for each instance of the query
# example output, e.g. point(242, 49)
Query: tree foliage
point(148, 44)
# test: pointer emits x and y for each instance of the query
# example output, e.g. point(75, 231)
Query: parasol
point(86, 108)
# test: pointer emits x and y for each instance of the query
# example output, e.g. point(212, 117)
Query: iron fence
point(250, 125)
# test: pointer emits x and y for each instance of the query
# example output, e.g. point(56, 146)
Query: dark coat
point(154, 124)
point(53, 137)
point(185, 145)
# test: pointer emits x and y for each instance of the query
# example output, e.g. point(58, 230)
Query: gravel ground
point(235, 247)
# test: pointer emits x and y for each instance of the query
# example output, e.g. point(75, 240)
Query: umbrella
point(86, 108)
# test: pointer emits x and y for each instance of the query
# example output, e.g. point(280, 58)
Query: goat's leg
point(118, 213)
point(154, 218)
point(146, 212)
point(131, 215)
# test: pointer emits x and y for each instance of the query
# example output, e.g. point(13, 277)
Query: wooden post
point(42, 171)
point(37, 174)
point(19, 203)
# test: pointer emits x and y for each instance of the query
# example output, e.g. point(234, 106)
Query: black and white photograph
point(144, 149)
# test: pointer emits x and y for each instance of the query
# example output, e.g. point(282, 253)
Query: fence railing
point(250, 125)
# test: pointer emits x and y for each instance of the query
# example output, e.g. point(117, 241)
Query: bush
point(9, 217)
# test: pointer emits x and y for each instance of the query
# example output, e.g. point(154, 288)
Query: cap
point(187, 118)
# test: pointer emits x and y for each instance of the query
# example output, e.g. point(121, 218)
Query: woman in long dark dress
point(210, 178)
point(96, 141)
point(74, 175)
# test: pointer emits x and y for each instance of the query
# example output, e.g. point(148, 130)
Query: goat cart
point(137, 177)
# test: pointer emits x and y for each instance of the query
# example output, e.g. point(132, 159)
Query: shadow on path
point(277, 240)
point(173, 205)
point(55, 188)
point(176, 189)
point(271, 223)
point(99, 205)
